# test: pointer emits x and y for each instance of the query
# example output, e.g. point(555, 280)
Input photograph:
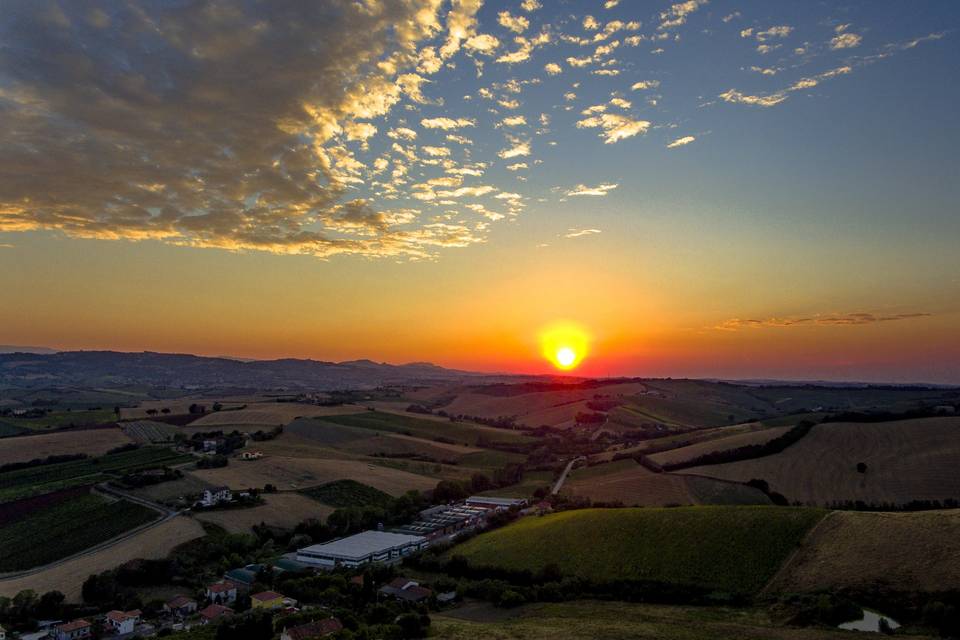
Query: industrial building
point(362, 548)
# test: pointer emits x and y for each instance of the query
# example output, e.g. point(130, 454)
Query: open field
point(57, 419)
point(532, 480)
point(906, 460)
point(93, 442)
point(149, 431)
point(177, 406)
point(720, 444)
point(268, 414)
point(46, 478)
point(171, 490)
point(299, 473)
point(285, 510)
point(732, 549)
point(627, 482)
point(68, 577)
point(347, 493)
point(616, 621)
point(457, 432)
point(918, 551)
point(66, 528)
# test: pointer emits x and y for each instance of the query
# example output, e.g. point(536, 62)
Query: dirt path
point(563, 476)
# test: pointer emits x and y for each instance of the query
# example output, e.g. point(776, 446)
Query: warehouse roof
point(363, 544)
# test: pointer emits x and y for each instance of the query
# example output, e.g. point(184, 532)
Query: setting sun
point(564, 345)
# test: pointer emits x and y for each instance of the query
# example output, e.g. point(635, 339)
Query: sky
point(719, 188)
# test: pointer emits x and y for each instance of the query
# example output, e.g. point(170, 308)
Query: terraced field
point(733, 549)
point(906, 460)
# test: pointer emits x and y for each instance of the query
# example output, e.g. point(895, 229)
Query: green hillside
point(732, 549)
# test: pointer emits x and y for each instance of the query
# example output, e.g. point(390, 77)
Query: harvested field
point(172, 490)
point(906, 460)
point(453, 432)
point(285, 510)
point(68, 577)
point(177, 406)
point(148, 431)
point(721, 444)
point(299, 473)
point(918, 551)
point(268, 414)
point(93, 442)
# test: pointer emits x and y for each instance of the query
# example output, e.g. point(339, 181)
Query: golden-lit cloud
point(599, 190)
point(679, 142)
point(615, 127)
point(848, 319)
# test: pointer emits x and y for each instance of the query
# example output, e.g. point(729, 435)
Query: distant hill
point(13, 348)
point(110, 368)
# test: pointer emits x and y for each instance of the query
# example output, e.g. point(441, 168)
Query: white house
point(216, 495)
point(222, 592)
point(73, 630)
point(123, 622)
point(3, 633)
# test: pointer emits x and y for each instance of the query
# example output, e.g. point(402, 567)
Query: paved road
point(563, 476)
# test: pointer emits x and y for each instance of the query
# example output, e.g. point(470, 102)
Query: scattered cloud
point(447, 123)
point(579, 233)
point(677, 14)
point(615, 127)
point(845, 41)
point(846, 319)
point(517, 24)
point(610, 4)
point(599, 190)
point(518, 148)
point(645, 84)
point(553, 69)
point(679, 142)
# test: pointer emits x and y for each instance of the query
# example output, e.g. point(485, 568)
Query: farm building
point(362, 548)
point(405, 589)
point(214, 612)
point(181, 606)
point(441, 521)
point(311, 630)
point(220, 592)
point(497, 504)
point(123, 622)
point(216, 495)
point(244, 576)
point(73, 630)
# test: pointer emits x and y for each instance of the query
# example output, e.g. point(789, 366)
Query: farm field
point(347, 493)
point(458, 432)
point(731, 549)
point(285, 510)
point(57, 419)
point(909, 551)
point(68, 577)
point(267, 414)
point(532, 480)
point(616, 621)
point(627, 482)
point(149, 432)
point(177, 406)
point(93, 442)
point(300, 473)
point(63, 529)
point(906, 460)
point(171, 490)
point(692, 451)
point(46, 478)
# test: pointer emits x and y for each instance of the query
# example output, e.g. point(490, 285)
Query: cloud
point(579, 233)
point(530, 5)
point(517, 166)
point(679, 142)
point(553, 69)
point(614, 127)
point(610, 4)
point(590, 23)
point(513, 121)
point(645, 84)
point(845, 41)
point(731, 16)
point(846, 319)
point(517, 24)
point(773, 99)
point(677, 14)
point(781, 31)
point(518, 148)
point(483, 43)
point(447, 123)
point(207, 125)
point(599, 190)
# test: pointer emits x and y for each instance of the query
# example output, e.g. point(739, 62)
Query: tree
point(413, 625)
point(861, 467)
point(256, 624)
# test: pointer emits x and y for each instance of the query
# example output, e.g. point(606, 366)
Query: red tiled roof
point(220, 587)
point(266, 596)
point(214, 611)
point(316, 629)
point(73, 625)
point(120, 616)
point(414, 594)
point(400, 583)
point(180, 601)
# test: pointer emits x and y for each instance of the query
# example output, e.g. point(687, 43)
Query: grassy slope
point(347, 493)
point(65, 529)
point(457, 431)
point(735, 549)
point(56, 419)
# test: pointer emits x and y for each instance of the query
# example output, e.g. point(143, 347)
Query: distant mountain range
point(35, 369)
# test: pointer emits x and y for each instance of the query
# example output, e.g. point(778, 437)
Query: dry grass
point(906, 460)
point(285, 510)
point(269, 414)
point(721, 444)
point(177, 406)
point(299, 473)
point(917, 551)
point(93, 442)
point(68, 577)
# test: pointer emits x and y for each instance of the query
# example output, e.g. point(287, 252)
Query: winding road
point(563, 476)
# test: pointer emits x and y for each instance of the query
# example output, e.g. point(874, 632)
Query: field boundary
point(794, 554)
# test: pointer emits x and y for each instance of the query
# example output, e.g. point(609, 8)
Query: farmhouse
point(406, 589)
point(497, 504)
point(216, 495)
point(267, 600)
point(181, 606)
point(73, 630)
point(362, 548)
point(122, 622)
point(311, 630)
point(222, 592)
point(214, 612)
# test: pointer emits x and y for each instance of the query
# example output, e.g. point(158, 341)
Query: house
point(216, 495)
point(222, 592)
point(211, 446)
point(122, 622)
point(72, 630)
point(446, 597)
point(317, 629)
point(3, 633)
point(251, 455)
point(362, 548)
point(406, 589)
point(266, 600)
point(214, 612)
point(181, 606)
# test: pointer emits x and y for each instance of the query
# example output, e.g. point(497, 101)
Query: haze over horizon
point(707, 189)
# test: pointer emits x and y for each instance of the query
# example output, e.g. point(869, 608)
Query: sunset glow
point(564, 345)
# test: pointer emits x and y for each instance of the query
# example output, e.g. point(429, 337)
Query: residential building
point(73, 630)
point(3, 633)
point(251, 455)
point(216, 495)
point(181, 606)
point(123, 622)
point(224, 592)
point(214, 612)
point(406, 589)
point(311, 630)
point(362, 548)
point(267, 600)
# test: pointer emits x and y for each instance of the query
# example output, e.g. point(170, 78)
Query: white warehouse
point(362, 548)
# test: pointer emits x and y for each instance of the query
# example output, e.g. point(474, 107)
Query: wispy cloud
point(579, 233)
point(679, 142)
point(848, 319)
point(599, 190)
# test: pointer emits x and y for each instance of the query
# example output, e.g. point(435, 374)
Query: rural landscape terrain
point(650, 506)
